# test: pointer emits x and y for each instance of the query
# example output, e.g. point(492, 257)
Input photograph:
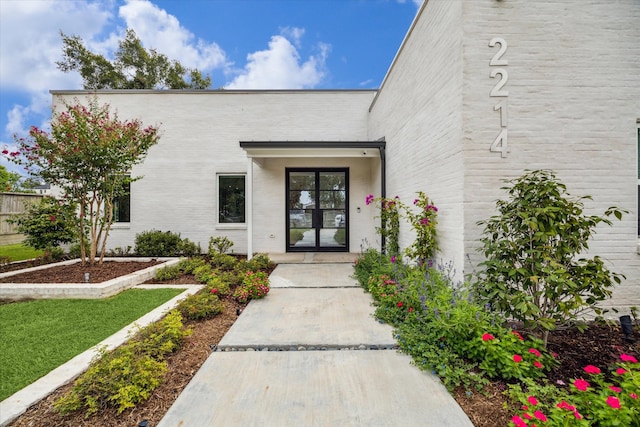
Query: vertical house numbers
point(496, 64)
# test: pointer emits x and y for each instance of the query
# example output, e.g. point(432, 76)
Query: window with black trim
point(231, 199)
point(122, 205)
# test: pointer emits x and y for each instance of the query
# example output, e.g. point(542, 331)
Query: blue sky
point(241, 44)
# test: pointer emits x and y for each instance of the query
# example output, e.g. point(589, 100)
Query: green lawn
point(38, 336)
point(19, 252)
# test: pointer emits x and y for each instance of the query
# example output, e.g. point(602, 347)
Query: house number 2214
point(496, 64)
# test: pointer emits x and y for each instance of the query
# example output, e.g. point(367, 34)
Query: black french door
point(317, 210)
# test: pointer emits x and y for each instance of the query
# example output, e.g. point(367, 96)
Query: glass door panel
point(317, 209)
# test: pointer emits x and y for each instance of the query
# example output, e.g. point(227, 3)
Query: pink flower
point(519, 422)
point(539, 415)
point(214, 291)
point(590, 369)
point(535, 352)
point(369, 199)
point(633, 395)
point(532, 400)
point(400, 304)
point(517, 334)
point(410, 309)
point(621, 371)
point(537, 364)
point(517, 358)
point(5, 151)
point(424, 221)
point(565, 405)
point(577, 415)
point(613, 402)
point(616, 389)
point(527, 416)
point(487, 337)
point(581, 384)
point(628, 358)
point(393, 259)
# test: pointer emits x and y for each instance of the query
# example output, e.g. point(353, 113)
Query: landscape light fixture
point(627, 328)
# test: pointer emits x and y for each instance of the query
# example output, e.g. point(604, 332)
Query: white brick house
point(549, 84)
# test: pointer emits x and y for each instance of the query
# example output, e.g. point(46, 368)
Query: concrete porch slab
point(314, 388)
point(313, 276)
point(309, 317)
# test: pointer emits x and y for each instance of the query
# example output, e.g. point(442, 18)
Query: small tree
point(47, 224)
point(89, 155)
point(532, 271)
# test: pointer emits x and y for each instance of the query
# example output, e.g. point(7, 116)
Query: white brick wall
point(574, 97)
point(418, 111)
point(200, 134)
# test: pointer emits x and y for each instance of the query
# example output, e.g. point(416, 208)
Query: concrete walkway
point(311, 354)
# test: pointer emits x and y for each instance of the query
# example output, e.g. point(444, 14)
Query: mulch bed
point(75, 273)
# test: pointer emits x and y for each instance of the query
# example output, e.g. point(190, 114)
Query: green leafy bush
point(47, 224)
point(156, 243)
point(223, 261)
point(201, 305)
point(220, 245)
point(204, 273)
point(127, 375)
point(188, 265)
point(168, 272)
point(533, 271)
point(217, 286)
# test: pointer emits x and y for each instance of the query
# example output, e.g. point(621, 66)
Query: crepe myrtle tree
point(88, 154)
point(535, 270)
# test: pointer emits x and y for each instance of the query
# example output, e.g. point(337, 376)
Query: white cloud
point(280, 67)
point(161, 31)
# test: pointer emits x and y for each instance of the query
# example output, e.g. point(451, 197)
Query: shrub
point(204, 273)
point(223, 261)
point(260, 262)
point(127, 375)
point(168, 273)
point(218, 287)
point(220, 244)
point(188, 265)
point(532, 272)
point(156, 243)
point(47, 224)
point(200, 305)
point(254, 286)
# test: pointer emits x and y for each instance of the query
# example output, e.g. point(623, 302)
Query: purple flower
point(369, 199)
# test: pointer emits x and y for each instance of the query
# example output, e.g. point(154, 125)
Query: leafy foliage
point(163, 244)
point(134, 67)
point(47, 223)
point(201, 305)
point(220, 244)
point(127, 375)
point(88, 155)
point(532, 271)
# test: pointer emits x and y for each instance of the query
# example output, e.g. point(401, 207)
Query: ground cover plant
point(40, 335)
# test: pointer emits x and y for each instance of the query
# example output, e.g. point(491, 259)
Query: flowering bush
point(510, 356)
point(254, 286)
point(423, 222)
point(390, 221)
point(592, 400)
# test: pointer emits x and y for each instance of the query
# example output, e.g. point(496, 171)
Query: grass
point(19, 252)
point(38, 336)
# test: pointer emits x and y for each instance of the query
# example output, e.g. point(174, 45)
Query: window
point(122, 205)
point(231, 199)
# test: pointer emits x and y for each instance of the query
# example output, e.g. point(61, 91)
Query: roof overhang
point(280, 149)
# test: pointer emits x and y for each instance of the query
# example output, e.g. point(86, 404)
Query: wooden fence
point(12, 204)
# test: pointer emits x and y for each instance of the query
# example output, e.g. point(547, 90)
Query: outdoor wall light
point(358, 209)
point(627, 328)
